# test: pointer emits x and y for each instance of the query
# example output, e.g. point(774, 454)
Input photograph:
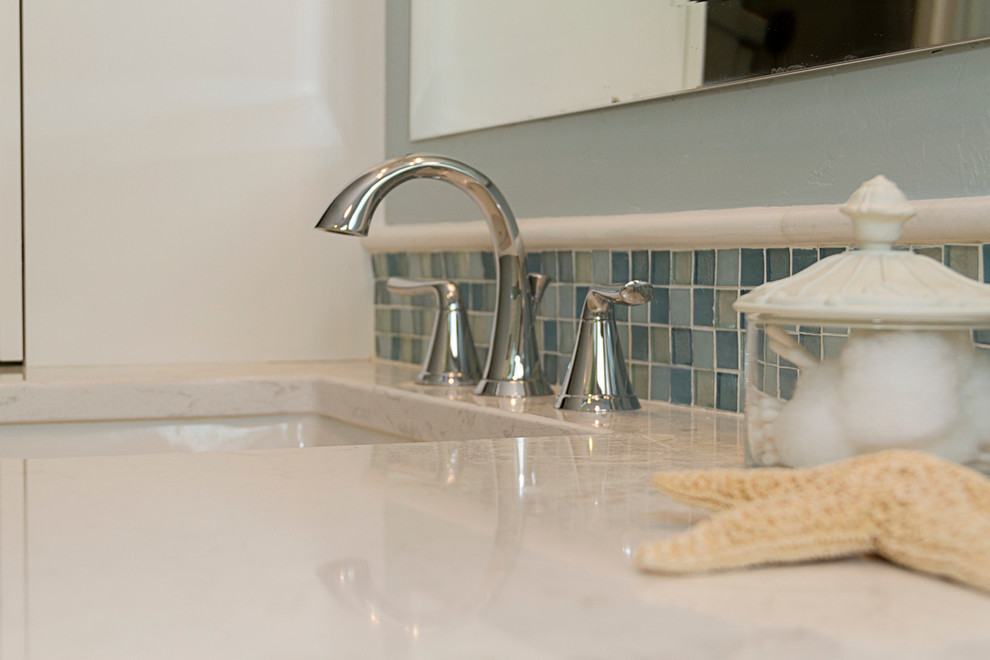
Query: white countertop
point(505, 548)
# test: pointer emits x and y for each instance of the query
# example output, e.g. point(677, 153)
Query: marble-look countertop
point(515, 547)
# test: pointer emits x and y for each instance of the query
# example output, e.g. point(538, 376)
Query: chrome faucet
point(513, 366)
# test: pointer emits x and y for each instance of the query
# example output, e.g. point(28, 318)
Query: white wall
point(177, 156)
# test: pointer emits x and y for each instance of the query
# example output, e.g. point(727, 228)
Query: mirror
point(480, 64)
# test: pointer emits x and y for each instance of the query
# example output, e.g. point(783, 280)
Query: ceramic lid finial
point(878, 208)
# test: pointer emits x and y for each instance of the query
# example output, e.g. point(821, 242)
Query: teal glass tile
point(801, 258)
point(751, 270)
point(660, 267)
point(548, 264)
point(623, 335)
point(423, 321)
point(566, 333)
point(680, 346)
point(640, 265)
point(550, 365)
point(475, 296)
point(565, 266)
point(659, 383)
point(660, 305)
point(406, 321)
point(982, 337)
point(727, 267)
point(398, 264)
point(455, 266)
point(381, 346)
point(639, 313)
point(415, 265)
point(726, 349)
point(986, 261)
point(829, 251)
point(620, 267)
point(382, 318)
point(787, 381)
point(704, 267)
point(534, 262)
point(549, 306)
point(812, 344)
point(395, 348)
point(703, 349)
point(704, 388)
point(550, 336)
point(778, 263)
point(417, 350)
point(931, 252)
point(621, 312)
point(488, 265)
point(471, 265)
point(660, 345)
point(639, 374)
point(680, 386)
point(379, 264)
point(683, 267)
point(725, 315)
point(964, 259)
point(639, 348)
point(680, 306)
point(601, 267)
point(582, 267)
point(704, 307)
point(481, 329)
point(832, 346)
point(769, 376)
point(580, 294)
point(726, 392)
point(565, 301)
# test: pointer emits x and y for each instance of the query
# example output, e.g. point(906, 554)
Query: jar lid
point(874, 284)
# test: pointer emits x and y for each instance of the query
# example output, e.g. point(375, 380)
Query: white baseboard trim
point(939, 221)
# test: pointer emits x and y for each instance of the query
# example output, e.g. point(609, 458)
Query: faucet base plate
point(600, 403)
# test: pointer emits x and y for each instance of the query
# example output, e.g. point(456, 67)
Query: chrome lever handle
point(596, 378)
point(451, 358)
point(538, 283)
point(600, 298)
point(447, 292)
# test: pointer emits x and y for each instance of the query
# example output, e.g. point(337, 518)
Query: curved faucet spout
point(513, 366)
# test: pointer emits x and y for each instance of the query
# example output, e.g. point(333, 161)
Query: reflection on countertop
point(509, 547)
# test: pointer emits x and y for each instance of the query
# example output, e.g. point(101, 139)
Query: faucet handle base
point(531, 387)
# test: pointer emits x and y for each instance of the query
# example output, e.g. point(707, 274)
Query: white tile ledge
point(952, 220)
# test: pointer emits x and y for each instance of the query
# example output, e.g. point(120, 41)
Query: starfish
point(909, 507)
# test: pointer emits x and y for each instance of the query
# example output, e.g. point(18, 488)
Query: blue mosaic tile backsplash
point(685, 346)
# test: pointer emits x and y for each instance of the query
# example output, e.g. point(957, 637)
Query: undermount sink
point(72, 439)
point(285, 406)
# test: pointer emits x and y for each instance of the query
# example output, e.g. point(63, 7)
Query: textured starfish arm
point(936, 519)
point(968, 564)
point(721, 489)
point(779, 529)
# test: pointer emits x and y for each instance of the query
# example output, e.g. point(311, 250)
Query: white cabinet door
point(11, 304)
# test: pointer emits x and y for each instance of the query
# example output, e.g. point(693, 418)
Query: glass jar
point(868, 350)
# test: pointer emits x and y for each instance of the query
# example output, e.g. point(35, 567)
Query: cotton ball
point(976, 400)
point(808, 430)
point(900, 388)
